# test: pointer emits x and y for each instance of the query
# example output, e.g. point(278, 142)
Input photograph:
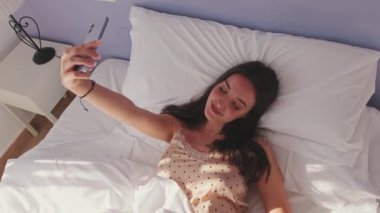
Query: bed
point(91, 163)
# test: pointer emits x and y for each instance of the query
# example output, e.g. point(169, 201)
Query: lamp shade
point(7, 7)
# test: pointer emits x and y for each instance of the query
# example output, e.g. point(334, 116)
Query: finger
point(78, 60)
point(94, 54)
point(93, 44)
point(69, 66)
point(81, 75)
point(66, 54)
point(72, 76)
point(91, 69)
point(85, 52)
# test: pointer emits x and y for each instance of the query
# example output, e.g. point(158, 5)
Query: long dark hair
point(239, 144)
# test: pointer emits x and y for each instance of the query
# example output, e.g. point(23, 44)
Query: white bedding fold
point(105, 185)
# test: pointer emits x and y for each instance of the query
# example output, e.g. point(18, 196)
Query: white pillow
point(324, 86)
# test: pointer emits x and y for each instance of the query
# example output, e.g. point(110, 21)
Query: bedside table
point(32, 87)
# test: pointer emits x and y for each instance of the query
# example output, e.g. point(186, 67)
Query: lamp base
point(43, 55)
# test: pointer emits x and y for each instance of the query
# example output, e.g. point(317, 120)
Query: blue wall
point(346, 21)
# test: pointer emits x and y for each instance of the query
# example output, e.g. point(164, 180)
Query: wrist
point(81, 87)
point(89, 90)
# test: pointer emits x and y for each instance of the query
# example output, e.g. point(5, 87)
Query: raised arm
point(272, 190)
point(115, 105)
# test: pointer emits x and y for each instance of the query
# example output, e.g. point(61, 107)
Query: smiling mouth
point(214, 110)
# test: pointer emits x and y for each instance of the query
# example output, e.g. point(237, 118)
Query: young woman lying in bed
point(215, 150)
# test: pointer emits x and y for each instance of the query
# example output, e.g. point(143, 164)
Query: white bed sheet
point(93, 146)
point(90, 163)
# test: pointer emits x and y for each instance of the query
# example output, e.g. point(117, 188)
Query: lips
point(214, 110)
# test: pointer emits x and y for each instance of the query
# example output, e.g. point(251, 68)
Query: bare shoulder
point(168, 125)
point(177, 125)
point(158, 126)
point(262, 140)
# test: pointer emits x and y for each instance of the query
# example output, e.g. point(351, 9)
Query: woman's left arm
point(272, 190)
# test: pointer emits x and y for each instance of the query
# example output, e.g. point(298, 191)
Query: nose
point(220, 105)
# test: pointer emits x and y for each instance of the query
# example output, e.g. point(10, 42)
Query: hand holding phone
point(95, 32)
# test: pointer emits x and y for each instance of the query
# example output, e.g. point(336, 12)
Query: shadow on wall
point(375, 101)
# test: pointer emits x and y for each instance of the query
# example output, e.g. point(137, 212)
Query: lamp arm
point(42, 55)
point(22, 34)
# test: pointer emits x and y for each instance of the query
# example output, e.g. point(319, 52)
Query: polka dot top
point(210, 183)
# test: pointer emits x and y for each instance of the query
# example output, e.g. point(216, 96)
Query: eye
point(235, 105)
point(221, 89)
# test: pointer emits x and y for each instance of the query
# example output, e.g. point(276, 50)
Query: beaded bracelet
point(88, 92)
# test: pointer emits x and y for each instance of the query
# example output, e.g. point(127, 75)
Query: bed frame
point(345, 21)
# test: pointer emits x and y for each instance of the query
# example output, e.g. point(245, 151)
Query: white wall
point(9, 127)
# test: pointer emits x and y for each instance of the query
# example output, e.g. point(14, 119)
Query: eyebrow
point(241, 101)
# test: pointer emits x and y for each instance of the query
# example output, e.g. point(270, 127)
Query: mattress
point(90, 162)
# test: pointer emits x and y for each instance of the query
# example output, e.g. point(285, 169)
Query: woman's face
point(230, 99)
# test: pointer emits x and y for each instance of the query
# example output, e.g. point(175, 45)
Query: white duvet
point(106, 185)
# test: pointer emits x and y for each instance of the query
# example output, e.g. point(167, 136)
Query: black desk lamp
point(42, 55)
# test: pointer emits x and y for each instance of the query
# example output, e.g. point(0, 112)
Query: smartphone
point(95, 32)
